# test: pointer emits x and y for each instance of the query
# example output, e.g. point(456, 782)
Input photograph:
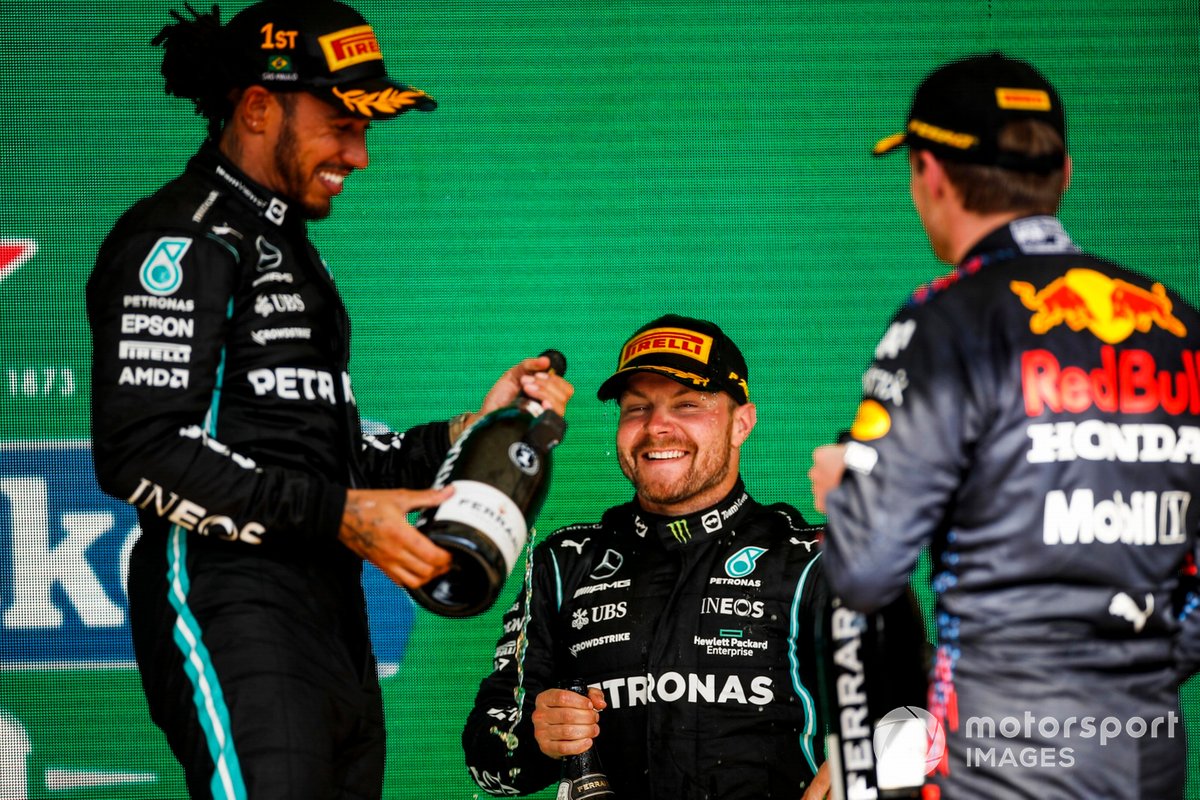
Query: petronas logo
point(679, 529)
point(162, 271)
point(742, 563)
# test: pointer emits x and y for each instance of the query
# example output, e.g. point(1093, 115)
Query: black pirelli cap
point(959, 110)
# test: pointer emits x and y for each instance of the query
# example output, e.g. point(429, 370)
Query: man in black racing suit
point(690, 610)
point(222, 410)
point(1035, 417)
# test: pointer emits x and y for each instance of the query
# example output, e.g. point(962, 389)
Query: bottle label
point(592, 785)
point(489, 511)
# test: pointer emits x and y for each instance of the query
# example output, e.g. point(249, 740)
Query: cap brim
point(889, 143)
point(612, 387)
point(377, 98)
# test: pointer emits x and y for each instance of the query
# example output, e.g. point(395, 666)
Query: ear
point(254, 109)
point(1066, 173)
point(929, 171)
point(745, 417)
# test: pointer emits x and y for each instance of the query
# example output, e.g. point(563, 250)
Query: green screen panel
point(592, 165)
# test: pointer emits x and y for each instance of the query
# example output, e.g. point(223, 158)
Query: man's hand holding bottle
point(533, 377)
point(375, 521)
point(565, 723)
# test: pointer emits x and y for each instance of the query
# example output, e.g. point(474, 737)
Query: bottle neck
point(529, 405)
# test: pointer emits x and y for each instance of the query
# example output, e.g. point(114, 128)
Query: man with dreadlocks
point(222, 410)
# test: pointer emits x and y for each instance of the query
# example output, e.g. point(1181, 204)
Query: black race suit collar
point(273, 208)
point(1027, 236)
point(1040, 234)
point(676, 532)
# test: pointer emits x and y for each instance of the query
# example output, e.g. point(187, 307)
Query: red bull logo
point(1126, 382)
point(349, 47)
point(1110, 308)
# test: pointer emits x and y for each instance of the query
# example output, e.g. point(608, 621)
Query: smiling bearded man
point(679, 447)
point(222, 409)
point(690, 611)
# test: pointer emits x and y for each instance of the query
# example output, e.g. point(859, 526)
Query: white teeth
point(665, 454)
point(334, 177)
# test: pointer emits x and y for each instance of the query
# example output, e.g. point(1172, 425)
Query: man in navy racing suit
point(689, 611)
point(1034, 417)
point(222, 410)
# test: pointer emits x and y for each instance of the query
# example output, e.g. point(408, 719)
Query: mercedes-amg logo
point(608, 566)
point(269, 256)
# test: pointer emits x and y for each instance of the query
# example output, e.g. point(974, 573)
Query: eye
point(633, 409)
point(348, 126)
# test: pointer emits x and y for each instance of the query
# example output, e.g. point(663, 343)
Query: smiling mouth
point(333, 180)
point(664, 455)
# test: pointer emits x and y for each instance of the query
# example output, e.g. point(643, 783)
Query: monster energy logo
point(679, 529)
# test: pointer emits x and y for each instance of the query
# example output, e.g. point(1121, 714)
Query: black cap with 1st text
point(323, 47)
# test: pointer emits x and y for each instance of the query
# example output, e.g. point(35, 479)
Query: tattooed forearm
point(360, 523)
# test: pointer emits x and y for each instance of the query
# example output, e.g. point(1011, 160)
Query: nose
point(660, 420)
point(354, 149)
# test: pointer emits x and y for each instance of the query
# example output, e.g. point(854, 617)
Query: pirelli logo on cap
point(932, 133)
point(351, 46)
point(1023, 99)
point(667, 340)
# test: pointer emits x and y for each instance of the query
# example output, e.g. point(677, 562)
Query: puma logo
point(1126, 608)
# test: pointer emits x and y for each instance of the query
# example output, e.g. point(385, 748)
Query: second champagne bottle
point(583, 777)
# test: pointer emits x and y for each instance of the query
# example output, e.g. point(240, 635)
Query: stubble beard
point(710, 470)
point(287, 164)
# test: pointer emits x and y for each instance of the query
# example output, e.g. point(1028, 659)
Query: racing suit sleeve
point(408, 460)
point(907, 450)
point(501, 752)
point(151, 440)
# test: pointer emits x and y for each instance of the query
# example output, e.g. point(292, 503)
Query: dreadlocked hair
point(196, 62)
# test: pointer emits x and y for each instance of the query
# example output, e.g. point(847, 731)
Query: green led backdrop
point(592, 165)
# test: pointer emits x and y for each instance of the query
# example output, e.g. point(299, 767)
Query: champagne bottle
point(881, 738)
point(500, 470)
point(583, 777)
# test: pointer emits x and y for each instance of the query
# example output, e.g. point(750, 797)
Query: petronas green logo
point(742, 563)
point(162, 271)
point(679, 529)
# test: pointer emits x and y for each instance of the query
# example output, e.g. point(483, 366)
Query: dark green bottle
point(583, 776)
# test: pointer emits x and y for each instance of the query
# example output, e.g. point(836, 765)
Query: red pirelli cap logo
point(678, 341)
point(351, 46)
point(1023, 99)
